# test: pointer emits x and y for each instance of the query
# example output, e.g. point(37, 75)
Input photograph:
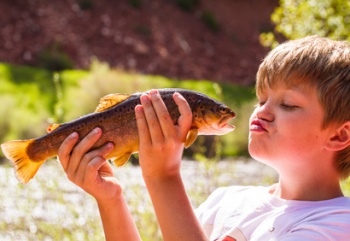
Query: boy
point(300, 127)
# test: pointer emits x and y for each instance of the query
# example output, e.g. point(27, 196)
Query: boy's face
point(286, 128)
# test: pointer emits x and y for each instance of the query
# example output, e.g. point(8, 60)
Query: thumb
point(185, 119)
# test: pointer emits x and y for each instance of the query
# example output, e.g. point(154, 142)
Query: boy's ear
point(340, 138)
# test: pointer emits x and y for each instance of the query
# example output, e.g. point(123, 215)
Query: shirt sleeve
point(211, 205)
point(330, 230)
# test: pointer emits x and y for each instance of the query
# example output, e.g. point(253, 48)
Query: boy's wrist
point(161, 176)
point(113, 200)
point(162, 180)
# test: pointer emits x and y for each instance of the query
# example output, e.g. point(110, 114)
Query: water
point(50, 207)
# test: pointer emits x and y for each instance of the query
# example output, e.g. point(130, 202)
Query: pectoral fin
point(110, 100)
point(121, 160)
point(191, 137)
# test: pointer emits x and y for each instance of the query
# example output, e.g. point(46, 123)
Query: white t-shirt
point(251, 213)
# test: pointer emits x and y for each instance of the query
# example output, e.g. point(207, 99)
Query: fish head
point(211, 117)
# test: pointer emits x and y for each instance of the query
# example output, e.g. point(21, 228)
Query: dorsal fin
point(110, 100)
point(52, 127)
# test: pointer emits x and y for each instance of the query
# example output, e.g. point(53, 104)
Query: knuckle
point(60, 154)
point(71, 176)
point(80, 149)
point(62, 151)
point(164, 115)
point(93, 164)
point(170, 144)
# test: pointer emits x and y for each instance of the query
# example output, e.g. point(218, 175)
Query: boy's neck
point(313, 179)
point(309, 190)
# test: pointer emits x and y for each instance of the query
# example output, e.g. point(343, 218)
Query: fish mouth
point(224, 126)
point(223, 122)
point(217, 125)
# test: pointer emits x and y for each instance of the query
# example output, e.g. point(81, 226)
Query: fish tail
point(16, 152)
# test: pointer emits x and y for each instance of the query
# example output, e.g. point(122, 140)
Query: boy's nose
point(265, 112)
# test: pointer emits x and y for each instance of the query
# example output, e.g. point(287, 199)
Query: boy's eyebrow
point(298, 89)
point(306, 87)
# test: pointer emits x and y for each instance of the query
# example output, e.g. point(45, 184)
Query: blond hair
point(314, 62)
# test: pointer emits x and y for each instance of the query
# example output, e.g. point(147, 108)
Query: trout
point(115, 115)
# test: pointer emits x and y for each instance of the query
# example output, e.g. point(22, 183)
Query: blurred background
point(58, 58)
point(184, 39)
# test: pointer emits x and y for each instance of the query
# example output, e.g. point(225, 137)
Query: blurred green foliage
point(135, 3)
point(85, 4)
point(299, 18)
point(209, 19)
point(33, 98)
point(345, 185)
point(187, 5)
point(53, 58)
point(26, 98)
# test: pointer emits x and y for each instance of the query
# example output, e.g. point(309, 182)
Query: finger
point(66, 148)
point(81, 149)
point(93, 169)
point(185, 119)
point(162, 113)
point(87, 173)
point(82, 170)
point(154, 128)
point(142, 125)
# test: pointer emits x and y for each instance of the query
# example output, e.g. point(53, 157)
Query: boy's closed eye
point(289, 106)
point(284, 105)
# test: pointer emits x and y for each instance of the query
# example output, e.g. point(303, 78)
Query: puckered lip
point(257, 125)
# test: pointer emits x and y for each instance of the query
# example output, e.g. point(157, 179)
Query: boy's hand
point(161, 142)
point(160, 151)
point(89, 169)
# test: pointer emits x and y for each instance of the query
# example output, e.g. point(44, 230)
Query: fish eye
point(223, 109)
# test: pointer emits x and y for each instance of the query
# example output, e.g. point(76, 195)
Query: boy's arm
point(173, 209)
point(117, 221)
point(90, 171)
point(160, 152)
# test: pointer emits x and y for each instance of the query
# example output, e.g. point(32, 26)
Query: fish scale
point(115, 115)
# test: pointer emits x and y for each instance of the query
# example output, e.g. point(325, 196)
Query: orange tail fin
point(16, 152)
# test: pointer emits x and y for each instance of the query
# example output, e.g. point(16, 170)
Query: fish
point(115, 115)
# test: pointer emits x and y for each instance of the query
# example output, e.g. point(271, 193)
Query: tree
point(300, 18)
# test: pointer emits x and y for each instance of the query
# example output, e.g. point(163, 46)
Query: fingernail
point(145, 99)
point(73, 135)
point(96, 130)
point(153, 92)
point(110, 145)
point(138, 108)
